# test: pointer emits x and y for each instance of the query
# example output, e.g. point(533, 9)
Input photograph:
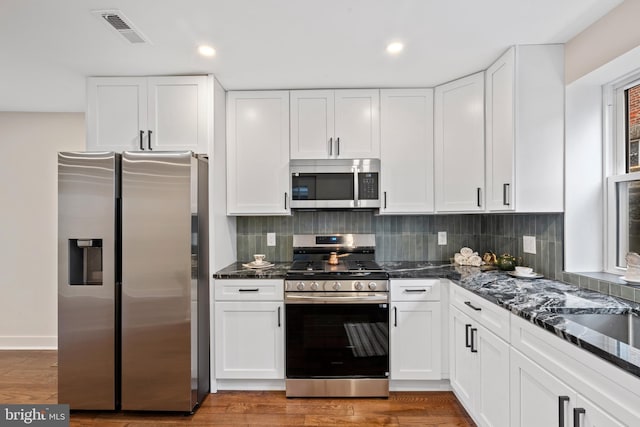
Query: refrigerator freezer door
point(87, 343)
point(156, 281)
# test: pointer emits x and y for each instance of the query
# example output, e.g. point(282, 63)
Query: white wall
point(585, 161)
point(28, 223)
point(611, 36)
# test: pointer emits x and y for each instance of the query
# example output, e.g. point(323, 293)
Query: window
point(623, 183)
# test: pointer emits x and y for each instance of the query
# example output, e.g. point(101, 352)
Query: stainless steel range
point(337, 318)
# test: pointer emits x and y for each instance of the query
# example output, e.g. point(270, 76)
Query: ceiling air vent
point(121, 24)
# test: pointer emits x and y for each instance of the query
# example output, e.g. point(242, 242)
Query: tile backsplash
point(413, 237)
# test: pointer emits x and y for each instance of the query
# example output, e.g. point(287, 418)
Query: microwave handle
point(356, 195)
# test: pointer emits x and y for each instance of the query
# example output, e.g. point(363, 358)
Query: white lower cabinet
point(415, 330)
point(558, 384)
point(479, 370)
point(249, 332)
point(537, 397)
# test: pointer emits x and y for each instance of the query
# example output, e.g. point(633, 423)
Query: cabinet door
point(312, 124)
point(459, 145)
point(177, 117)
point(493, 383)
point(500, 84)
point(406, 147)
point(249, 340)
point(116, 113)
point(258, 153)
point(537, 397)
point(415, 341)
point(593, 415)
point(357, 124)
point(463, 366)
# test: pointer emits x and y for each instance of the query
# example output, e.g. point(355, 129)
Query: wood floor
point(31, 377)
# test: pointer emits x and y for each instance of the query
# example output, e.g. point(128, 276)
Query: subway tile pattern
point(414, 238)
point(502, 233)
point(409, 237)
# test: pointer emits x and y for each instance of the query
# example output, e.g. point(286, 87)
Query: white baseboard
point(250, 385)
point(28, 343)
point(419, 385)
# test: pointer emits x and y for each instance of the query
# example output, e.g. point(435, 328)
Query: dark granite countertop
point(553, 306)
point(419, 270)
point(237, 271)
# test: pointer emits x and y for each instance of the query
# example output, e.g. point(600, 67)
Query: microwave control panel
point(368, 185)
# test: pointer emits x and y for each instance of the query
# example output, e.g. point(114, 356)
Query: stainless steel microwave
point(335, 183)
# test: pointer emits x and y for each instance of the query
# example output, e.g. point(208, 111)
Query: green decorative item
point(506, 262)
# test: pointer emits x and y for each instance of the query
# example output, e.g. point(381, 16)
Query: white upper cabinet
point(148, 113)
point(258, 153)
point(525, 130)
point(312, 124)
point(327, 124)
point(459, 145)
point(406, 146)
point(500, 79)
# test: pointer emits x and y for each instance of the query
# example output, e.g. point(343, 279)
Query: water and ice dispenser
point(85, 261)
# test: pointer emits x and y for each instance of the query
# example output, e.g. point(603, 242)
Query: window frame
point(615, 163)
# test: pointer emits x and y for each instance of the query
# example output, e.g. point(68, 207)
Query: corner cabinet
point(415, 330)
point(249, 329)
point(459, 145)
point(258, 181)
point(525, 130)
point(406, 145)
point(335, 124)
point(479, 358)
point(149, 113)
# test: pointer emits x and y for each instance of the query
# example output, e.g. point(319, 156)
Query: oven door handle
point(378, 298)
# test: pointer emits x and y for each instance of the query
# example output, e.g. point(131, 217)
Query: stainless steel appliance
point(335, 183)
point(133, 320)
point(337, 318)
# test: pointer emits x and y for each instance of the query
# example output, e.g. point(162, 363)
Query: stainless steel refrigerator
point(133, 287)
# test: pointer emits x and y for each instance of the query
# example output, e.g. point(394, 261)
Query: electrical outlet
point(442, 238)
point(529, 244)
point(271, 239)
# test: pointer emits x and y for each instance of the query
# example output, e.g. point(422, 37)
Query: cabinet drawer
point(415, 290)
point(249, 290)
point(491, 316)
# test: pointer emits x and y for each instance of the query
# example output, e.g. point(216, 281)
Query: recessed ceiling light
point(395, 47)
point(206, 50)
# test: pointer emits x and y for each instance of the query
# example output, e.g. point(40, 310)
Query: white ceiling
point(49, 47)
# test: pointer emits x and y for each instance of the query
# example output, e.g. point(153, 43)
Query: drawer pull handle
point(473, 332)
point(561, 403)
point(415, 290)
point(472, 306)
point(576, 416)
point(466, 335)
point(249, 290)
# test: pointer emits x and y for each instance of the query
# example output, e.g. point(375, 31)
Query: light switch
point(442, 238)
point(271, 239)
point(529, 244)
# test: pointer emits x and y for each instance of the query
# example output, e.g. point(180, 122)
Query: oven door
point(337, 335)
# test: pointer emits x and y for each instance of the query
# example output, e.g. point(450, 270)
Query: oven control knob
point(300, 286)
point(336, 286)
point(314, 286)
point(372, 286)
point(358, 286)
